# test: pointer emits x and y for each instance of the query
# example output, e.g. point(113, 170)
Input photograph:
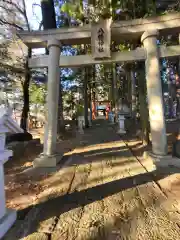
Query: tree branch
point(6, 9)
point(20, 10)
point(14, 5)
point(2, 21)
point(33, 7)
point(25, 15)
point(40, 25)
point(14, 70)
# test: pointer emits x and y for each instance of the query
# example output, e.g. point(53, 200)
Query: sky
point(34, 17)
point(34, 13)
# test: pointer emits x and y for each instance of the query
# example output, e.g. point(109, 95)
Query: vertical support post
point(7, 216)
point(49, 156)
point(154, 91)
point(81, 124)
point(52, 97)
point(121, 126)
point(2, 192)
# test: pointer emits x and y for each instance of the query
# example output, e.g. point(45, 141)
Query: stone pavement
point(102, 192)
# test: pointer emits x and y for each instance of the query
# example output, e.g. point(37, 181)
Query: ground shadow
point(93, 155)
point(59, 205)
point(56, 206)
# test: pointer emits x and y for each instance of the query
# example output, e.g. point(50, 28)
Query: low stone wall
point(20, 148)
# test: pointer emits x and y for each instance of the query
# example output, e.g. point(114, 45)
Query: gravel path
point(103, 192)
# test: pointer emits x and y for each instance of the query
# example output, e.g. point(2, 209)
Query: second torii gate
point(100, 37)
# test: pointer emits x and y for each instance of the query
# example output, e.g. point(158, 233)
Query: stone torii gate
point(100, 36)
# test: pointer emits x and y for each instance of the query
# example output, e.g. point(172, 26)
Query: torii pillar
point(154, 92)
point(49, 157)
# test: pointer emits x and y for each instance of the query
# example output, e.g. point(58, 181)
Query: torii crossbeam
point(146, 29)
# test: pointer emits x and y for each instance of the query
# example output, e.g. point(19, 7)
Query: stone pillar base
point(81, 124)
point(7, 221)
point(121, 131)
point(47, 161)
point(89, 121)
point(162, 161)
point(81, 131)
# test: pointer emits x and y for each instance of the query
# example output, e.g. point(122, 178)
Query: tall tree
point(14, 17)
point(144, 116)
point(120, 10)
point(85, 86)
point(48, 14)
point(49, 22)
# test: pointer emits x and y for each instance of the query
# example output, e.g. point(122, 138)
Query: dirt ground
point(22, 189)
point(169, 185)
point(103, 191)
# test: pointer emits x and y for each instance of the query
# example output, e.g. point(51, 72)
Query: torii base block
point(7, 221)
point(162, 161)
point(47, 161)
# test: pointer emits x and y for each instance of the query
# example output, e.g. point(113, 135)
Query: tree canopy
point(61, 13)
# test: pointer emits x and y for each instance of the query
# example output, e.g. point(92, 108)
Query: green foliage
point(79, 110)
point(37, 93)
point(100, 80)
point(73, 10)
point(108, 8)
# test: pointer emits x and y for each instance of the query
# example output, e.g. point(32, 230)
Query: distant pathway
point(103, 192)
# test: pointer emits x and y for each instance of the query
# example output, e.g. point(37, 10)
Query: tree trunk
point(144, 116)
point(86, 97)
point(133, 92)
point(61, 125)
point(25, 111)
point(49, 22)
point(129, 86)
point(94, 113)
point(48, 14)
point(90, 102)
point(112, 91)
point(116, 102)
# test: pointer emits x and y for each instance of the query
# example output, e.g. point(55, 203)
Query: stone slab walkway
point(102, 192)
